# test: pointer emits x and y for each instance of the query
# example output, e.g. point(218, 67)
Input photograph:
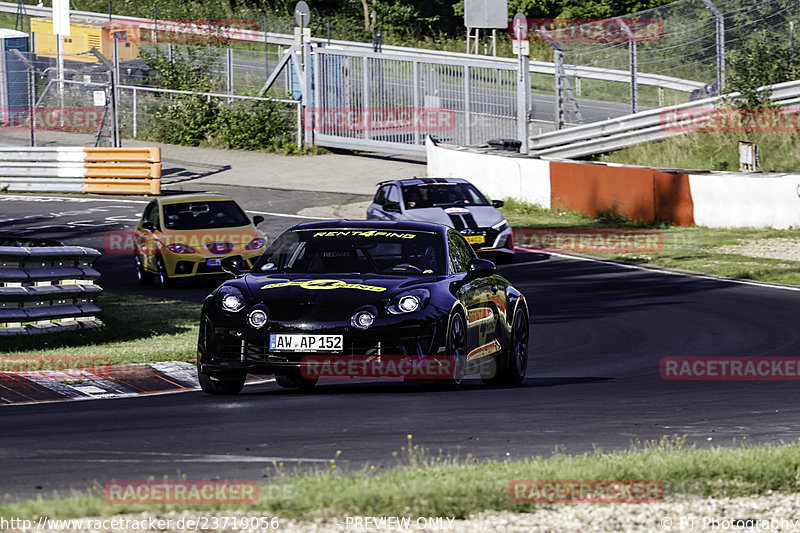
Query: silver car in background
point(454, 202)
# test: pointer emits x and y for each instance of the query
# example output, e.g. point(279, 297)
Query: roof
point(193, 197)
point(424, 181)
point(397, 225)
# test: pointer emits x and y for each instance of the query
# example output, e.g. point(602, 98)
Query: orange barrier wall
point(637, 193)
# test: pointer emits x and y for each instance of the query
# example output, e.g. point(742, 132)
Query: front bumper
point(231, 348)
point(192, 265)
point(494, 241)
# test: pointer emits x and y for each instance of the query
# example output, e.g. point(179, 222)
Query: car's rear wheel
point(164, 280)
point(144, 277)
point(514, 365)
point(456, 349)
point(216, 386)
point(294, 380)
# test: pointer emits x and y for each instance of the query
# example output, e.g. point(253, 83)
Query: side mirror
point(148, 225)
point(392, 207)
point(233, 265)
point(258, 219)
point(480, 268)
point(498, 203)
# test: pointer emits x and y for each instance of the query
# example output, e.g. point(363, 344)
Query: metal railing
point(646, 126)
point(536, 67)
point(46, 288)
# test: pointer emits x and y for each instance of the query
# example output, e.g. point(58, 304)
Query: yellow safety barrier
point(81, 169)
point(129, 155)
point(123, 170)
point(123, 186)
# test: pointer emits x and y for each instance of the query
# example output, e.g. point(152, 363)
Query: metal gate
point(391, 102)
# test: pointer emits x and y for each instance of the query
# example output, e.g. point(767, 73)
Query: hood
point(457, 217)
point(328, 297)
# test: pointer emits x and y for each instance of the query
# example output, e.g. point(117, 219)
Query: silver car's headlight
point(500, 226)
point(408, 301)
point(231, 299)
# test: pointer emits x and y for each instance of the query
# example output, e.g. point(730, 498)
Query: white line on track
point(4, 198)
point(760, 284)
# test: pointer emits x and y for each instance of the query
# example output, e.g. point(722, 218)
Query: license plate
point(475, 239)
point(214, 262)
point(305, 343)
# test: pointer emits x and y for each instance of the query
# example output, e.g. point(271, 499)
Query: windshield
point(442, 195)
point(362, 251)
point(204, 214)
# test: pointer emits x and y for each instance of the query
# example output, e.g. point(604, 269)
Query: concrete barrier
point(680, 197)
point(80, 169)
point(498, 174)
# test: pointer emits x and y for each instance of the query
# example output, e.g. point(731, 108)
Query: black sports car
point(362, 289)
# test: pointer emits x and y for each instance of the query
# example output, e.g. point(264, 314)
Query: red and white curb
point(114, 381)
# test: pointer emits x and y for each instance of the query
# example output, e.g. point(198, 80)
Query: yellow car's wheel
point(164, 280)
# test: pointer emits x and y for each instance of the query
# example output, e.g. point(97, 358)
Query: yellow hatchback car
point(188, 235)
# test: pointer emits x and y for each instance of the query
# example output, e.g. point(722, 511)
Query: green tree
point(765, 58)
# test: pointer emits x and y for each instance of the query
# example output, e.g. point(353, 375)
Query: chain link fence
point(687, 39)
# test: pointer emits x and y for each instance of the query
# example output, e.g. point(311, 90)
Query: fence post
point(266, 51)
point(229, 71)
point(720, 48)
point(634, 68)
point(135, 110)
point(523, 99)
point(467, 104)
point(415, 92)
point(307, 88)
point(365, 95)
point(632, 63)
point(558, 59)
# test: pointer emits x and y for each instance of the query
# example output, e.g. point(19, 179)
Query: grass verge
point(137, 329)
point(428, 485)
point(713, 151)
point(699, 249)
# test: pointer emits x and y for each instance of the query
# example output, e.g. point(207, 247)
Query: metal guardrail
point(46, 288)
point(646, 126)
point(539, 67)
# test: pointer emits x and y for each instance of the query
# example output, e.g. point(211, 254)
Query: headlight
point(362, 319)
point(256, 243)
point(257, 318)
point(408, 302)
point(180, 248)
point(231, 299)
point(500, 226)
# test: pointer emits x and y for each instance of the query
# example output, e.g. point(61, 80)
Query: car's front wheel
point(211, 385)
point(143, 277)
point(164, 280)
point(456, 349)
